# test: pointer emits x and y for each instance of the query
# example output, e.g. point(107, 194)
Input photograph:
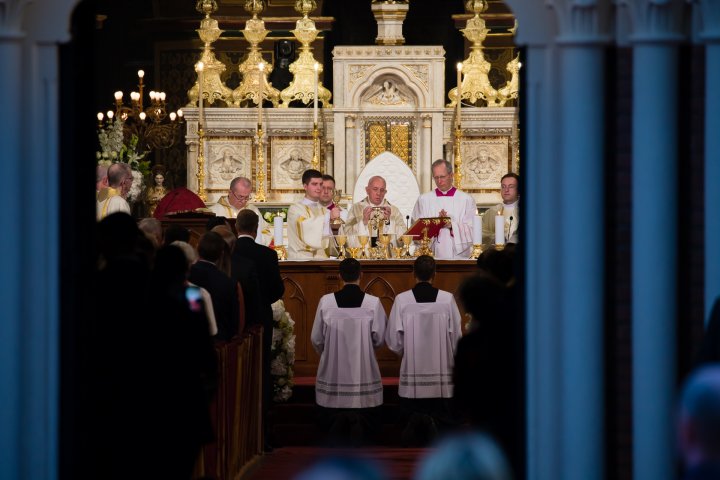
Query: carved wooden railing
point(236, 409)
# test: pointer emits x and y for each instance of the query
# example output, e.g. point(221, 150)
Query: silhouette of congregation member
point(488, 373)
point(349, 325)
point(699, 424)
point(424, 328)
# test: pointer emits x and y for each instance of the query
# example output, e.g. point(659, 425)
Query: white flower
point(137, 186)
point(277, 336)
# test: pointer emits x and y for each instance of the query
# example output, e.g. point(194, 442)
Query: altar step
point(294, 423)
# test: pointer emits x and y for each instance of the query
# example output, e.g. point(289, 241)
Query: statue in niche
point(157, 191)
point(389, 94)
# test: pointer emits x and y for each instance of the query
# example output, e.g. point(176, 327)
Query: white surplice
point(348, 375)
point(426, 335)
point(461, 209)
point(110, 201)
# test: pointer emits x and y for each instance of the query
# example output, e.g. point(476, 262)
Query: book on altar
point(431, 225)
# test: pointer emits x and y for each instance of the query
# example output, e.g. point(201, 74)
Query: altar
point(305, 282)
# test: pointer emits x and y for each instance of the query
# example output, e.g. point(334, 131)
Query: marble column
point(351, 155)
point(654, 233)
point(710, 34)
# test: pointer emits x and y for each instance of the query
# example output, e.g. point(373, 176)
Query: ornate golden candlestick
point(281, 252)
point(305, 74)
point(315, 162)
point(458, 157)
point(476, 251)
point(254, 86)
point(213, 87)
point(260, 165)
point(476, 84)
point(201, 163)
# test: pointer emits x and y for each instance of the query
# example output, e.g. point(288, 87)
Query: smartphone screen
point(194, 298)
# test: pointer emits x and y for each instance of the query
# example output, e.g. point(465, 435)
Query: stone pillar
point(351, 155)
point(710, 34)
point(581, 235)
point(654, 235)
point(424, 157)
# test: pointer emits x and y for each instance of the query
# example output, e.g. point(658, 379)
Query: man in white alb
point(308, 222)
point(230, 205)
point(327, 200)
point(113, 198)
point(508, 208)
point(455, 240)
point(424, 328)
point(349, 325)
point(361, 212)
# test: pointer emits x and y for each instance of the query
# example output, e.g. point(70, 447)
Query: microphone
point(407, 221)
point(509, 227)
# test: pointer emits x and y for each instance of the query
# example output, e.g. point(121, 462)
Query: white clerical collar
point(309, 202)
point(246, 235)
point(510, 206)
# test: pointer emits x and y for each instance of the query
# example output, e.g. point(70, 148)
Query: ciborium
point(341, 241)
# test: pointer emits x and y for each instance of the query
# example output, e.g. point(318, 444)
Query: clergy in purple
point(455, 240)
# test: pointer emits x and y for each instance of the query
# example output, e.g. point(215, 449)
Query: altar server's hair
point(447, 164)
point(309, 175)
point(424, 268)
point(350, 270)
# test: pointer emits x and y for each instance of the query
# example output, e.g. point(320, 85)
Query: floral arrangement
point(282, 353)
point(269, 215)
point(114, 149)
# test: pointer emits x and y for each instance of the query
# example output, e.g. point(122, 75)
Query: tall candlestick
point(315, 96)
point(278, 224)
point(261, 76)
point(459, 93)
point(499, 229)
point(477, 230)
point(201, 111)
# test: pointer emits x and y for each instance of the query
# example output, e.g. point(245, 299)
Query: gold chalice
point(363, 239)
point(341, 240)
point(336, 222)
point(397, 252)
point(383, 241)
point(407, 240)
point(353, 251)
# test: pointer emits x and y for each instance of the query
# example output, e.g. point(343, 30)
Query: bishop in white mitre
point(230, 205)
point(308, 222)
point(349, 325)
point(455, 240)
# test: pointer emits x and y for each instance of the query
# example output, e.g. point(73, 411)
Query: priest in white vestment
point(509, 209)
point(308, 222)
point(327, 200)
point(113, 198)
point(424, 329)
point(455, 240)
point(230, 205)
point(358, 222)
point(349, 325)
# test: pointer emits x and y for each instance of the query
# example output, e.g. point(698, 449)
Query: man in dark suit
point(265, 261)
point(223, 290)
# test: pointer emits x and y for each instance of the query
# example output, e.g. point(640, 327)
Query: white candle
point(315, 97)
point(261, 76)
point(477, 230)
point(459, 93)
point(201, 112)
point(499, 229)
point(278, 224)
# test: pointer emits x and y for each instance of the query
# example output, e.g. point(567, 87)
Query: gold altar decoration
point(281, 252)
point(260, 158)
point(254, 86)
point(213, 87)
point(315, 162)
point(305, 74)
point(201, 163)
point(476, 251)
point(476, 84)
point(458, 156)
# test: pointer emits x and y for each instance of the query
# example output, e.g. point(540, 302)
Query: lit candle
point(143, 116)
point(261, 76)
point(477, 230)
point(118, 95)
point(180, 112)
point(316, 67)
point(499, 229)
point(100, 116)
point(162, 96)
point(110, 115)
point(459, 93)
point(201, 113)
point(278, 224)
point(173, 116)
point(141, 73)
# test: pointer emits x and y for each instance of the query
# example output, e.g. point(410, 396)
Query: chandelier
point(152, 126)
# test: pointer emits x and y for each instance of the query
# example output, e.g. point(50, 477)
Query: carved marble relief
point(227, 158)
point(486, 161)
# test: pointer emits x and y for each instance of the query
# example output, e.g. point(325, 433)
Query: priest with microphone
point(455, 239)
point(508, 209)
